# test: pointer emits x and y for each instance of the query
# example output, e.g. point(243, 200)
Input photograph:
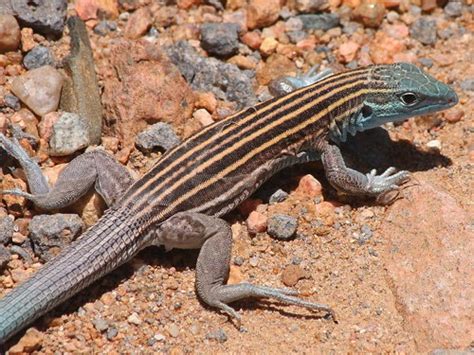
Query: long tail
point(106, 245)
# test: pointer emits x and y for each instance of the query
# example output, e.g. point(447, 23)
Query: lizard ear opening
point(366, 111)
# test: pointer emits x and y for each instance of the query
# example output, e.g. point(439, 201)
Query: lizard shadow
point(365, 151)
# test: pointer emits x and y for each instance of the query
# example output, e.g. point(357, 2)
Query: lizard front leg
point(353, 182)
point(213, 235)
point(111, 179)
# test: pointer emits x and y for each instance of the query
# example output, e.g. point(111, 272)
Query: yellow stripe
point(171, 165)
point(261, 148)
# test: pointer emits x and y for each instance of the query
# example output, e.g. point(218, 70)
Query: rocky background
point(142, 75)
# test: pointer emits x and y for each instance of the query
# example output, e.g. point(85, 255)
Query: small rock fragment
point(38, 57)
point(31, 341)
point(453, 8)
point(160, 135)
point(434, 145)
point(292, 274)
point(220, 39)
point(467, 84)
point(51, 233)
point(219, 335)
point(454, 115)
point(134, 319)
point(173, 330)
point(6, 229)
point(112, 332)
point(262, 13)
point(320, 21)
point(4, 257)
point(138, 23)
point(424, 30)
point(39, 89)
point(256, 222)
point(9, 33)
point(278, 196)
point(370, 13)
point(309, 186)
point(308, 6)
point(282, 226)
point(100, 324)
point(70, 133)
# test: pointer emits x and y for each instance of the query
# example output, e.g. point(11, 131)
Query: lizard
point(180, 202)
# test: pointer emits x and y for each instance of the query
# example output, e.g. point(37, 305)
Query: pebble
point(370, 12)
point(173, 330)
point(319, 21)
point(104, 27)
point(203, 116)
point(467, 84)
point(219, 335)
point(220, 39)
point(434, 145)
point(278, 196)
point(309, 186)
point(6, 229)
point(308, 6)
point(51, 233)
point(262, 13)
point(134, 319)
point(9, 33)
point(454, 115)
point(39, 89)
point(44, 17)
point(292, 274)
point(90, 9)
point(37, 57)
point(111, 333)
point(253, 261)
point(348, 51)
point(15, 249)
point(424, 30)
point(238, 260)
point(70, 133)
point(30, 342)
point(138, 23)
point(100, 324)
point(282, 226)
point(453, 8)
point(12, 101)
point(5, 257)
point(256, 222)
point(160, 135)
point(426, 62)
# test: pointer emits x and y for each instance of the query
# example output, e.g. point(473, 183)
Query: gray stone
point(16, 249)
point(225, 81)
point(51, 233)
point(296, 36)
point(426, 62)
point(104, 27)
point(319, 21)
point(70, 133)
point(39, 89)
point(219, 335)
point(282, 226)
point(46, 17)
point(37, 57)
point(220, 39)
point(4, 257)
point(278, 196)
point(112, 332)
point(467, 84)
point(6, 229)
point(12, 101)
point(100, 324)
point(424, 30)
point(160, 135)
point(453, 8)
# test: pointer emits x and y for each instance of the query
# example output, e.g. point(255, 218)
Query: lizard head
point(401, 91)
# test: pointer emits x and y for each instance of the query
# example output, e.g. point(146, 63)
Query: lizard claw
point(387, 181)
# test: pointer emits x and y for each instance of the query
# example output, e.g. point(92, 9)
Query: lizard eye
point(409, 98)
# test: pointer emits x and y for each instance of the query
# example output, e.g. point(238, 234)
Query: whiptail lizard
point(179, 202)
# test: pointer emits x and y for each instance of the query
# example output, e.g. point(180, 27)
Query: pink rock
point(309, 186)
point(347, 51)
point(138, 23)
point(9, 33)
point(428, 258)
point(256, 222)
point(90, 9)
point(39, 89)
point(46, 125)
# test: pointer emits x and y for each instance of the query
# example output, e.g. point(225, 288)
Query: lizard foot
point(389, 180)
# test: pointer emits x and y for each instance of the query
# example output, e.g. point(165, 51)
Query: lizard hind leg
point(214, 236)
